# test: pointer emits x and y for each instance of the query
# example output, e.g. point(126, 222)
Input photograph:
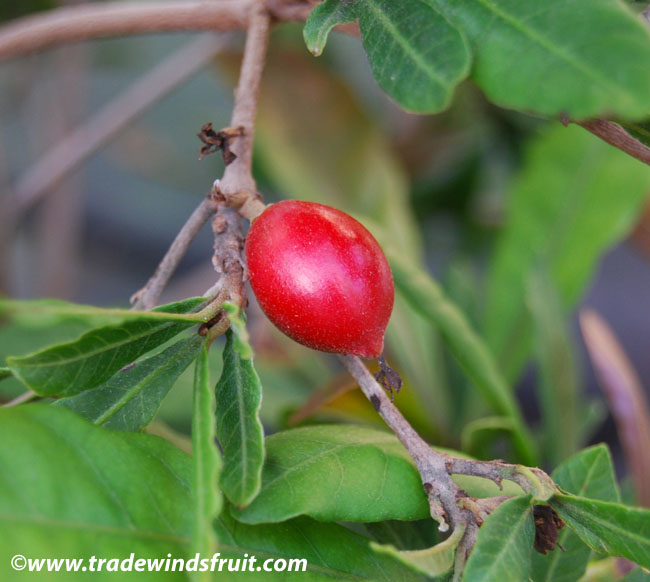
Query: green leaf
point(131, 397)
point(463, 342)
point(607, 527)
point(583, 60)
point(331, 551)
point(416, 55)
point(69, 489)
point(503, 544)
point(239, 430)
point(557, 388)
point(55, 310)
point(590, 474)
point(70, 368)
point(346, 473)
point(83, 500)
point(337, 473)
point(561, 214)
point(322, 19)
point(5, 373)
point(206, 463)
point(434, 561)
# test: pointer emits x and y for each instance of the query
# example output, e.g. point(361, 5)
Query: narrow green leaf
point(329, 551)
point(464, 344)
point(5, 373)
point(337, 473)
point(416, 55)
point(42, 310)
point(69, 488)
point(557, 389)
point(561, 214)
point(434, 561)
point(572, 58)
point(322, 19)
point(589, 473)
point(607, 527)
point(82, 364)
point(503, 544)
point(132, 396)
point(206, 463)
point(239, 430)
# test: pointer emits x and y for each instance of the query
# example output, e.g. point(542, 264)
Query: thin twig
point(86, 22)
point(237, 188)
point(79, 145)
point(59, 228)
point(148, 296)
point(615, 135)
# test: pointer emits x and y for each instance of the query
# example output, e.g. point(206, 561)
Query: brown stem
point(228, 246)
point(615, 135)
point(79, 145)
point(148, 296)
point(81, 23)
point(237, 188)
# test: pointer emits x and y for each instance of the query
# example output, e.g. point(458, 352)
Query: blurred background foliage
point(523, 223)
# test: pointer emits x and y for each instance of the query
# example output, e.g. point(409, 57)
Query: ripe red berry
point(320, 277)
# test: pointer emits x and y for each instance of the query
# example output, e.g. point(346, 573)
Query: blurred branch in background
point(625, 396)
point(71, 151)
point(80, 23)
point(60, 217)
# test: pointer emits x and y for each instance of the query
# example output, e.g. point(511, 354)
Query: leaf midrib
point(408, 49)
point(551, 48)
point(139, 387)
point(85, 355)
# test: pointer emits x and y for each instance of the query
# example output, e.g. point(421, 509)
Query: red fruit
point(320, 277)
